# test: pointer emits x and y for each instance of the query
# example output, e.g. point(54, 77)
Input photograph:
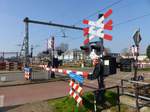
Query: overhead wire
point(113, 4)
point(108, 6)
point(132, 19)
point(117, 24)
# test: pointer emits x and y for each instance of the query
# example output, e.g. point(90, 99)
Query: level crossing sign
point(97, 28)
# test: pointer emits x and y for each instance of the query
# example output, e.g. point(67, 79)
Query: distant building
point(141, 57)
point(114, 54)
point(71, 55)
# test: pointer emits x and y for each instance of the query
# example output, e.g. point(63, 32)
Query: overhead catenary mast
point(26, 38)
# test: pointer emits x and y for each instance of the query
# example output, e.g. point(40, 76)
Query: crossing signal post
point(96, 29)
point(52, 43)
point(51, 48)
point(137, 39)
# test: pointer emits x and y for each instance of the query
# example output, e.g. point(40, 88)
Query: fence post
point(118, 98)
point(95, 108)
point(122, 88)
point(137, 97)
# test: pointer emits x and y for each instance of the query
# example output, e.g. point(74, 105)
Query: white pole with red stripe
point(27, 73)
point(75, 96)
point(75, 86)
point(75, 91)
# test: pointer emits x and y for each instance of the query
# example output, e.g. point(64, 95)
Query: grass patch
point(68, 104)
point(111, 97)
point(144, 69)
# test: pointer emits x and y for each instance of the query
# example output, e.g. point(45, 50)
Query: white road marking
point(3, 78)
point(2, 100)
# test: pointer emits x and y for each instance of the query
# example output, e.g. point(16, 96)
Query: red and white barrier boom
point(66, 72)
point(97, 27)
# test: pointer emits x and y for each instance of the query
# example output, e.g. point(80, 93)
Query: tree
point(44, 54)
point(148, 51)
point(62, 48)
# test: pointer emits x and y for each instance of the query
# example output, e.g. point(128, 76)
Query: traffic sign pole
point(137, 39)
point(136, 64)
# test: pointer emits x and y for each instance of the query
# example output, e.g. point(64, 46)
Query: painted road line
point(3, 78)
point(1, 100)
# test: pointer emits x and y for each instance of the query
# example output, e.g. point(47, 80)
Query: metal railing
point(137, 87)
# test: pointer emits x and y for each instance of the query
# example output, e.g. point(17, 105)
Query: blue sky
point(71, 12)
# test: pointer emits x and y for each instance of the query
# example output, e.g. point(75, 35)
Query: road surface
point(16, 95)
point(15, 76)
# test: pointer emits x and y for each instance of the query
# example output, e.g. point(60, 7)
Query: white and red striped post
point(27, 75)
point(75, 92)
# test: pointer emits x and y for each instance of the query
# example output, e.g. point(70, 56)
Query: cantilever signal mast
point(26, 38)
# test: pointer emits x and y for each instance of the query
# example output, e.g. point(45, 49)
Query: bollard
point(76, 89)
point(27, 73)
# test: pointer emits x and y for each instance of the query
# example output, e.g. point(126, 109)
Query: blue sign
point(76, 77)
point(27, 69)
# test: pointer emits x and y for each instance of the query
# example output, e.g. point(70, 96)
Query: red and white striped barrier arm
point(75, 86)
point(75, 96)
point(66, 72)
